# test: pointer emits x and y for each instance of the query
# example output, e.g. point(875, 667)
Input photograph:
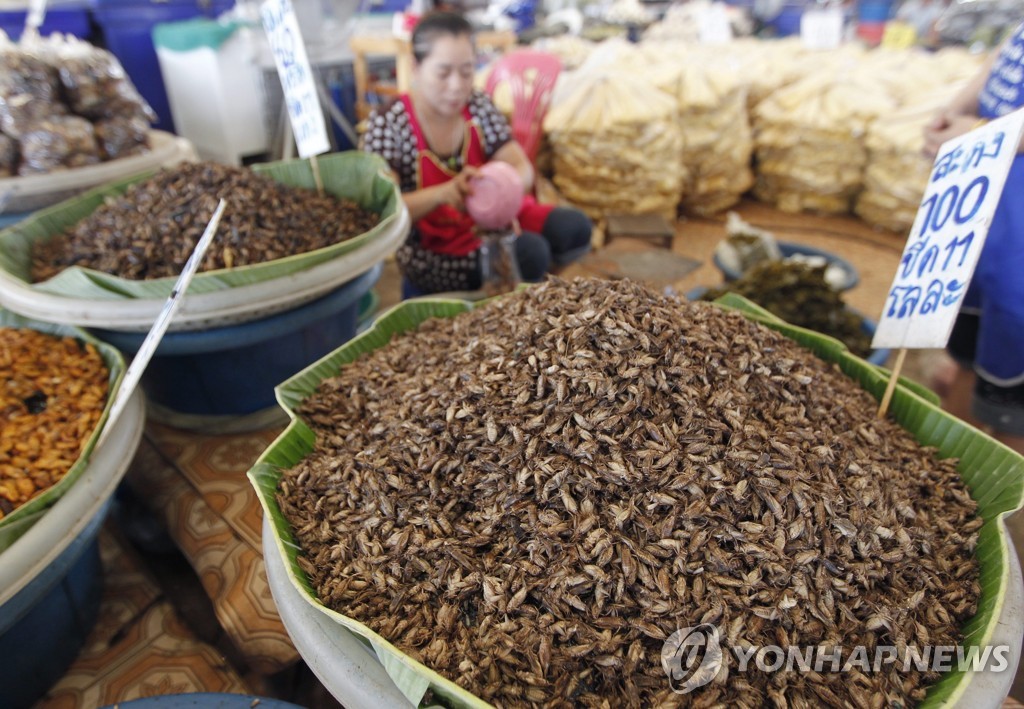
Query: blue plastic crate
point(128, 32)
point(873, 11)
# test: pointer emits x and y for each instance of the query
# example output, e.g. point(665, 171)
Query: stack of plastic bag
point(616, 143)
point(769, 66)
point(682, 22)
point(66, 104)
point(810, 138)
point(897, 170)
point(717, 138)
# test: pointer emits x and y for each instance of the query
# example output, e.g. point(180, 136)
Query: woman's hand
point(454, 192)
point(946, 125)
point(422, 202)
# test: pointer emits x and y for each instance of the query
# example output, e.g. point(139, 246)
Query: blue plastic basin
point(7, 220)
point(233, 370)
point(44, 626)
point(879, 357)
point(788, 248)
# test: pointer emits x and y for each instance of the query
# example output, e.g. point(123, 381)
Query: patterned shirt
point(389, 133)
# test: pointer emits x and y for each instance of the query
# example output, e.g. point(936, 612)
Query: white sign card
point(713, 24)
point(300, 94)
point(949, 232)
point(822, 28)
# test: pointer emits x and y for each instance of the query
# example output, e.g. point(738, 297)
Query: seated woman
point(434, 139)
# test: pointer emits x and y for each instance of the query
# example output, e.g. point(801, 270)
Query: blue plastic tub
point(787, 22)
point(878, 357)
point(787, 249)
point(44, 626)
point(7, 220)
point(233, 370)
point(66, 20)
point(127, 31)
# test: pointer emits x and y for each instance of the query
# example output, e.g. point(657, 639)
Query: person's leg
point(431, 272)
point(1015, 443)
point(533, 255)
point(999, 361)
point(1001, 408)
point(954, 382)
point(959, 394)
point(568, 231)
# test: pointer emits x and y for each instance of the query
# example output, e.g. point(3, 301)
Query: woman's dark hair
point(434, 25)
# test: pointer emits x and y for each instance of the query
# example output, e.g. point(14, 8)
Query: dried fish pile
point(150, 230)
point(531, 497)
point(53, 395)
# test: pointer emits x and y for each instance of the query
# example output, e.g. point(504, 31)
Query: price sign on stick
point(964, 188)
point(300, 93)
point(952, 222)
point(163, 320)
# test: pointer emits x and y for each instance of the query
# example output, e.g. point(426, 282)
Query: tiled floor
point(160, 633)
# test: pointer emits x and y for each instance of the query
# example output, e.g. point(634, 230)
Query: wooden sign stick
point(316, 175)
point(893, 379)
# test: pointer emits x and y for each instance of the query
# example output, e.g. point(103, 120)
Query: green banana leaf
point(14, 525)
point(354, 175)
point(993, 473)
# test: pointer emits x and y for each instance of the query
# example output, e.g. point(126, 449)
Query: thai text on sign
point(300, 93)
point(943, 247)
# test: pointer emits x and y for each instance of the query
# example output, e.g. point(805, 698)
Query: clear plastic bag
point(616, 141)
point(121, 137)
point(58, 142)
point(52, 91)
point(500, 270)
point(29, 92)
point(96, 85)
